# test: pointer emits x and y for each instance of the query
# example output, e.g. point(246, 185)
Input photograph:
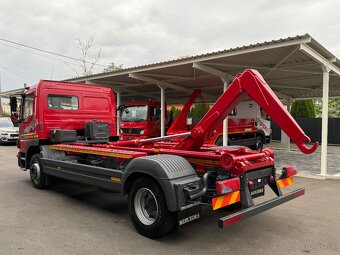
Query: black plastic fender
point(174, 174)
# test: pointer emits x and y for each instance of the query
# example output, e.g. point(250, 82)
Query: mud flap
point(189, 214)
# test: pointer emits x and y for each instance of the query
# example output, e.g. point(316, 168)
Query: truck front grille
point(132, 130)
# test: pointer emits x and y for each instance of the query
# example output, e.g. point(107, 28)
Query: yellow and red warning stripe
point(285, 182)
point(98, 151)
point(228, 199)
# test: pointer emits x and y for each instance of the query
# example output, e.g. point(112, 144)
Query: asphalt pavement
point(71, 218)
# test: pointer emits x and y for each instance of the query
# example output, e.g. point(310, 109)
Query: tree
point(333, 107)
point(87, 64)
point(199, 110)
point(303, 109)
point(175, 111)
point(112, 67)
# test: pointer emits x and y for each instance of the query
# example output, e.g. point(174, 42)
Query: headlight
point(141, 132)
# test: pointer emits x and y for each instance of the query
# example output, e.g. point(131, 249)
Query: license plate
point(189, 213)
point(257, 192)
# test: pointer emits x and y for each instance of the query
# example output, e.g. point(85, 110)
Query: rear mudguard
point(174, 174)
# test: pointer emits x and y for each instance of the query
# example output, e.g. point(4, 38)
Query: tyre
point(38, 178)
point(258, 143)
point(148, 210)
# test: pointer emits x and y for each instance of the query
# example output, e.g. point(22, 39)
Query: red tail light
point(227, 186)
point(250, 184)
point(288, 171)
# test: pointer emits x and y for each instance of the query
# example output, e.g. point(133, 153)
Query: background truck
point(248, 124)
point(166, 181)
point(140, 120)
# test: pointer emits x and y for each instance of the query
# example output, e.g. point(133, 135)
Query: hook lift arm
point(250, 83)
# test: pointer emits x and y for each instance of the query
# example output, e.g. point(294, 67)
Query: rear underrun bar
point(251, 211)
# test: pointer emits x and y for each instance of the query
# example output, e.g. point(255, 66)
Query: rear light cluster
point(288, 171)
point(227, 186)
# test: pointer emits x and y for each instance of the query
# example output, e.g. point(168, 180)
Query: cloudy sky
point(136, 32)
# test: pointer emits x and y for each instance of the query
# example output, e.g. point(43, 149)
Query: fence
point(312, 128)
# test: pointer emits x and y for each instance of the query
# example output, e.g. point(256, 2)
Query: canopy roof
point(291, 66)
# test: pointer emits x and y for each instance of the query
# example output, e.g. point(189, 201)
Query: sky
point(138, 32)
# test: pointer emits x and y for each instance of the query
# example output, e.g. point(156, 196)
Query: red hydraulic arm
point(179, 125)
point(250, 83)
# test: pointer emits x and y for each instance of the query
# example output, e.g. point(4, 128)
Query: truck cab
point(50, 106)
point(140, 120)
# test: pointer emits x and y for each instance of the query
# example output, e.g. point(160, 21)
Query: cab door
point(27, 128)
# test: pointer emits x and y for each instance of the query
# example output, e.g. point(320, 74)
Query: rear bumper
point(251, 211)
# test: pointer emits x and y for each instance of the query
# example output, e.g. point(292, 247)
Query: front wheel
point(148, 210)
point(258, 143)
point(38, 178)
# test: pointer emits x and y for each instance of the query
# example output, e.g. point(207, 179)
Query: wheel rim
point(259, 144)
point(146, 206)
point(35, 172)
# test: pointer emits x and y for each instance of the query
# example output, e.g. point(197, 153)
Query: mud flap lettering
point(188, 214)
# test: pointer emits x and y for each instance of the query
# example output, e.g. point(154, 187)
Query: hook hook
point(302, 146)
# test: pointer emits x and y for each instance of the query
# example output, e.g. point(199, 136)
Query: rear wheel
point(148, 210)
point(38, 178)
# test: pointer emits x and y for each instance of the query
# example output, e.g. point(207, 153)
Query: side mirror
point(233, 112)
point(14, 107)
point(122, 108)
point(13, 104)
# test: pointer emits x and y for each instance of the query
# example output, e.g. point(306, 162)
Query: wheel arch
point(261, 133)
point(172, 173)
point(127, 184)
point(32, 150)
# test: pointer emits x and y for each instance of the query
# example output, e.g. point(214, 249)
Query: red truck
point(247, 125)
point(50, 106)
point(140, 120)
point(167, 181)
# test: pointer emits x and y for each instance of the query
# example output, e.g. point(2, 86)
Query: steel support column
point(225, 121)
point(324, 132)
point(286, 137)
point(163, 109)
point(225, 78)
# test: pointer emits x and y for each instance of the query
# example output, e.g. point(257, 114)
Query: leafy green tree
point(175, 111)
point(303, 109)
point(199, 110)
point(333, 108)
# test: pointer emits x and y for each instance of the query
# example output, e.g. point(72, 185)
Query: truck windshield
point(136, 113)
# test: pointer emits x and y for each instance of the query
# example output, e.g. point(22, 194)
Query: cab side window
point(62, 102)
point(28, 106)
